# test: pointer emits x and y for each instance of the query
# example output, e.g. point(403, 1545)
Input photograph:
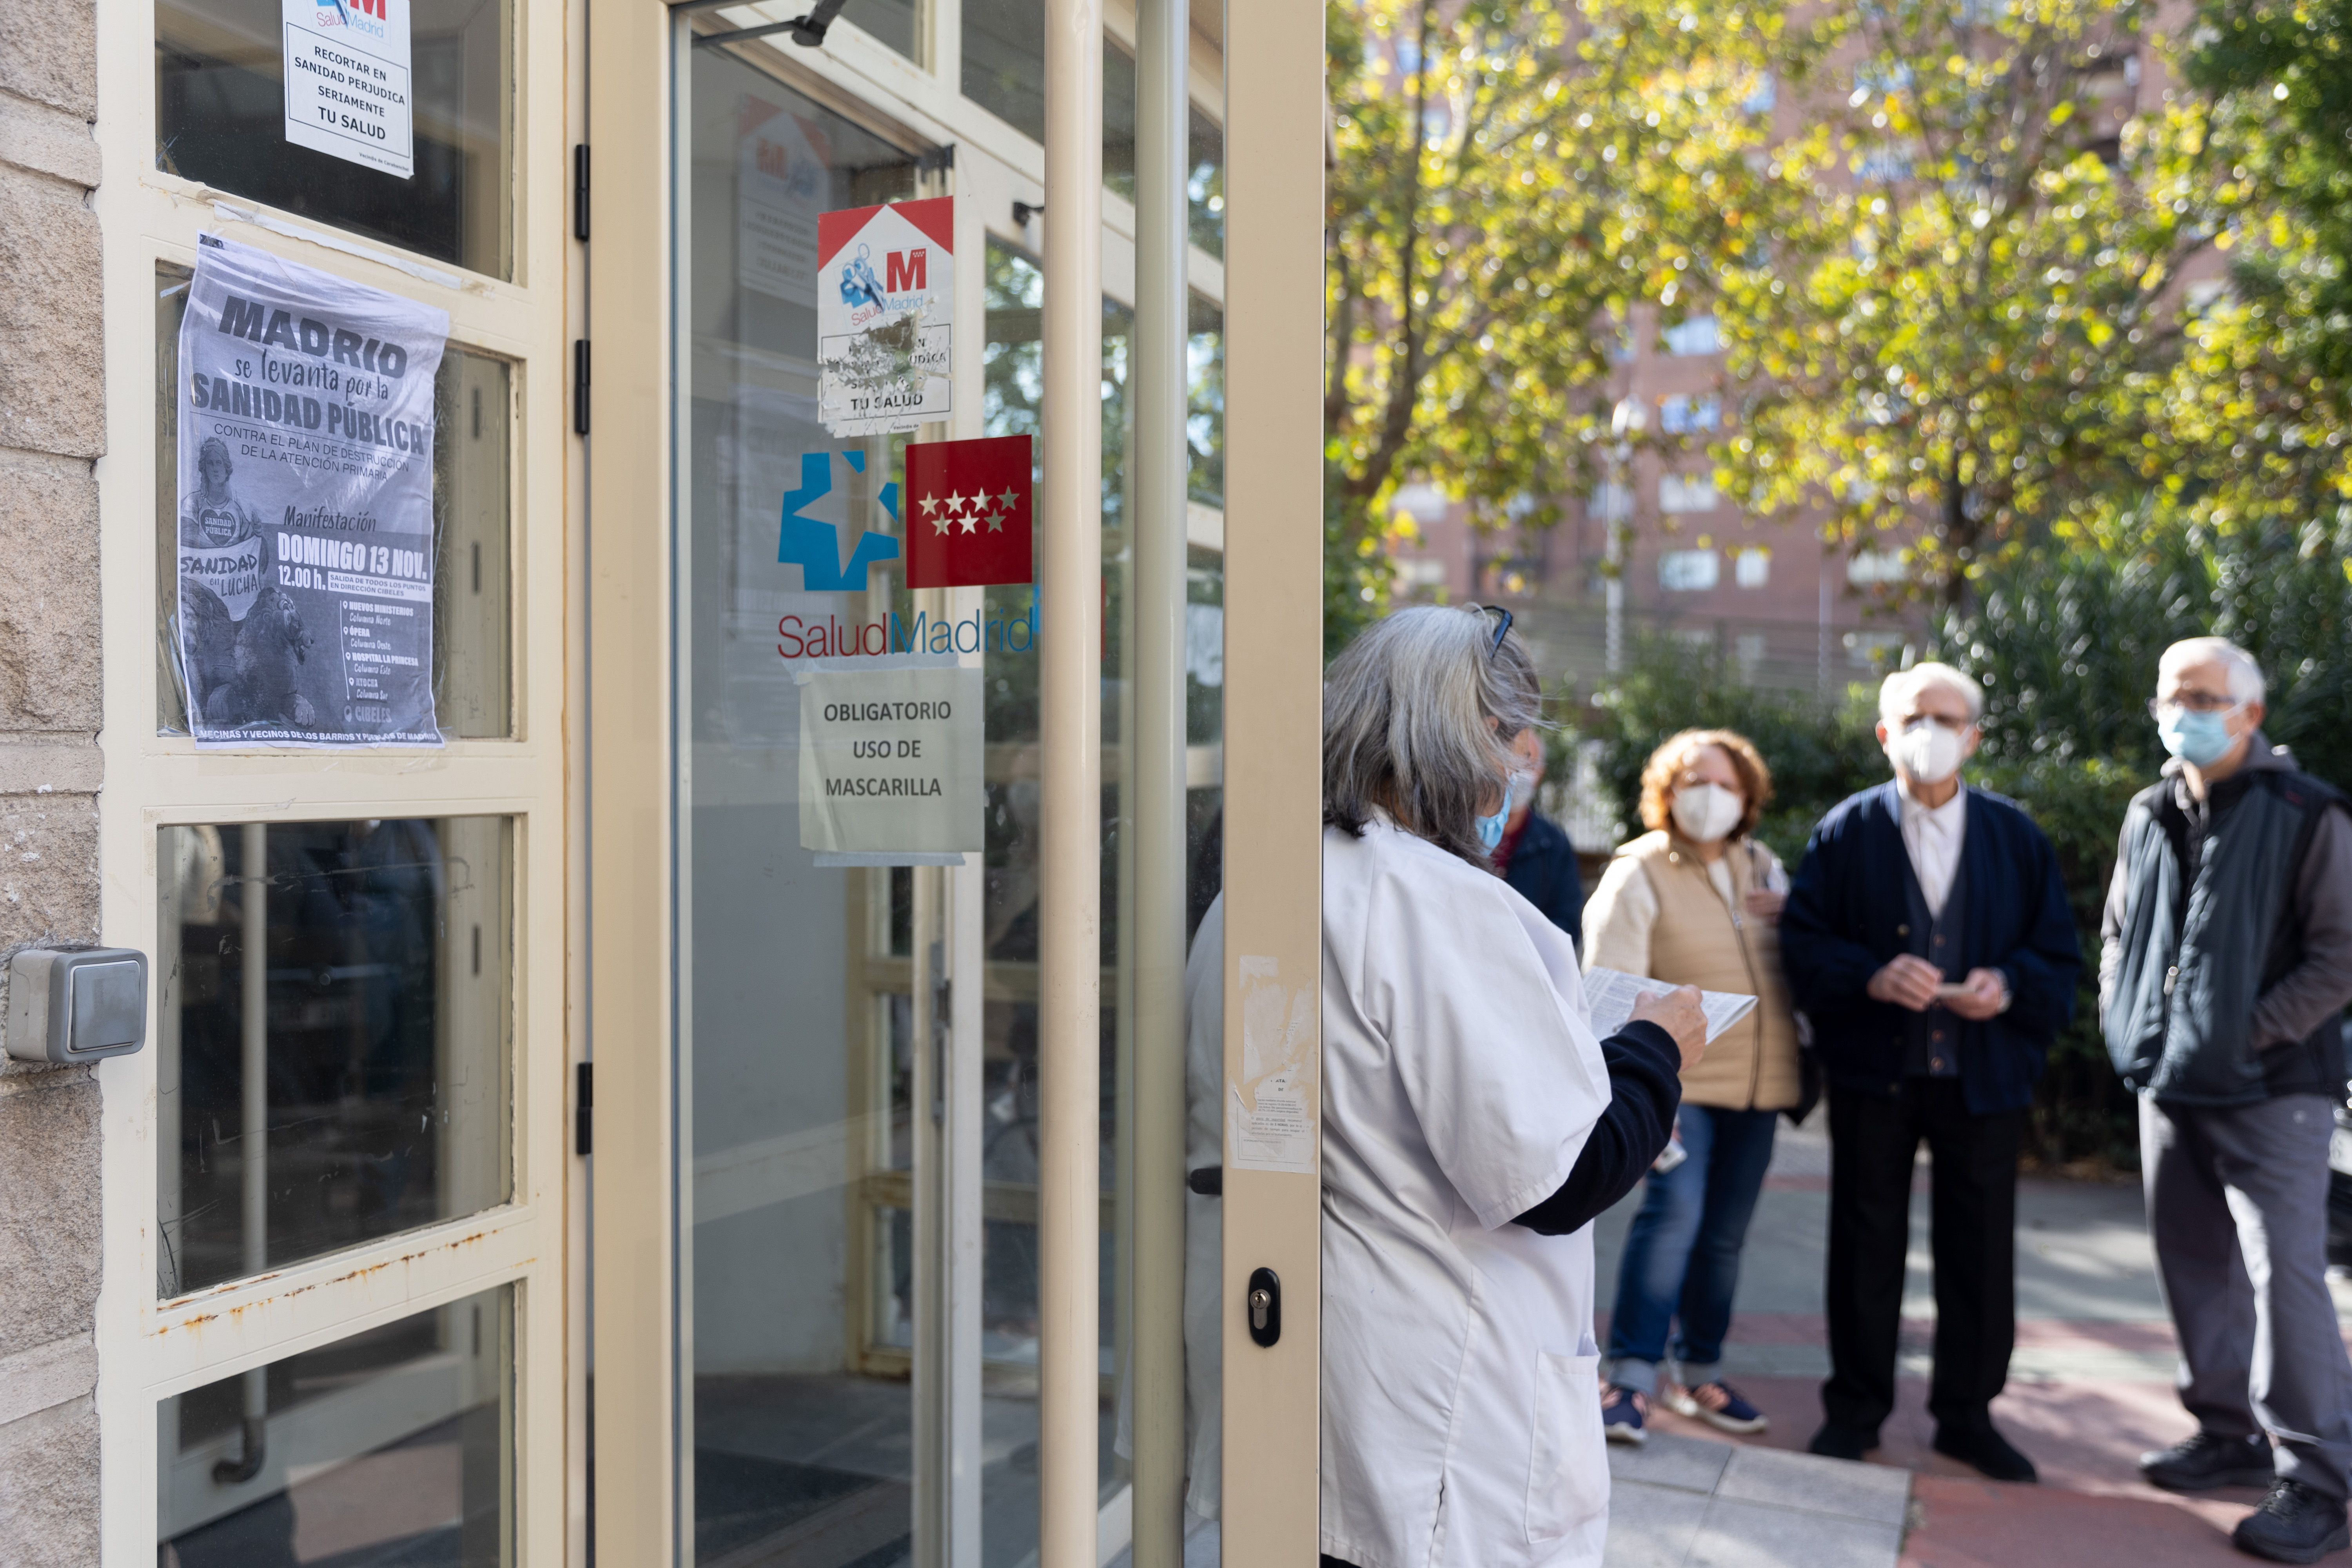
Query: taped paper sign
point(1274, 1106)
point(885, 317)
point(304, 558)
point(891, 761)
point(347, 89)
point(783, 178)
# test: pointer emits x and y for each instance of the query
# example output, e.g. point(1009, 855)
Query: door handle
point(1264, 1306)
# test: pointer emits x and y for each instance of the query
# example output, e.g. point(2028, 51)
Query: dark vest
point(2192, 962)
point(1932, 1038)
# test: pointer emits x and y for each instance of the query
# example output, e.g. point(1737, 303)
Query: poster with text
point(782, 181)
point(885, 317)
point(347, 85)
point(305, 491)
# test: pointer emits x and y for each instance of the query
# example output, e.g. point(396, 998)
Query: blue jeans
point(1682, 1255)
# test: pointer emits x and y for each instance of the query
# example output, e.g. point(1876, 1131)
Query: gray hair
point(1897, 691)
point(2246, 683)
point(1405, 712)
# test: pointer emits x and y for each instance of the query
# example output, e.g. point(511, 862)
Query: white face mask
point(1706, 812)
point(1928, 752)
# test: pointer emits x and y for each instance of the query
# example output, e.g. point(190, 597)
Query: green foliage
point(1511, 176)
point(1818, 755)
point(1961, 334)
point(2067, 636)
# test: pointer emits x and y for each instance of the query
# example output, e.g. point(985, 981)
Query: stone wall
point(52, 429)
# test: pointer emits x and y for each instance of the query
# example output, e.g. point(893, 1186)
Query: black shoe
point(2293, 1524)
point(1836, 1442)
point(2208, 1461)
point(1986, 1449)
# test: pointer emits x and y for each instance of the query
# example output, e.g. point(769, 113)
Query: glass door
point(818, 1289)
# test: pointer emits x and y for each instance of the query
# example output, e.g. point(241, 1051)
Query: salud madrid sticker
point(885, 317)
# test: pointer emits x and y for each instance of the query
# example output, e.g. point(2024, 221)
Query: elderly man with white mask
point(2225, 963)
point(1928, 940)
point(1473, 1126)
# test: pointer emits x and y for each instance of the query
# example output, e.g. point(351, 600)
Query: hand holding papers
point(1611, 995)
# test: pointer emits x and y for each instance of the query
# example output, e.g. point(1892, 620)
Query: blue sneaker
point(1718, 1404)
point(1623, 1412)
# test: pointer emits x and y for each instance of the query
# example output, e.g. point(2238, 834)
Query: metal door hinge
point(580, 191)
point(584, 1100)
point(580, 386)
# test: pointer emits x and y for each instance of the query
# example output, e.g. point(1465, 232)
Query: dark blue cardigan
point(1543, 869)
point(1848, 906)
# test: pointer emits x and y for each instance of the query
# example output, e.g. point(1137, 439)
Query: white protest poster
point(347, 88)
point(783, 181)
point(885, 317)
point(305, 491)
point(891, 761)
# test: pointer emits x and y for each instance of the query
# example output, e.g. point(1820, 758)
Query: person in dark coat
point(1535, 856)
point(2225, 963)
point(1928, 940)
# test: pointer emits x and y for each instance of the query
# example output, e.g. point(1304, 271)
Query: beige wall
point(52, 430)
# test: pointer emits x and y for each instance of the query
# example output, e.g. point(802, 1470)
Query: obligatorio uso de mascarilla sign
point(891, 755)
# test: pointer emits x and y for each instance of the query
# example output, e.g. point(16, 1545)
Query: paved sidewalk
point(1680, 1502)
point(2090, 1387)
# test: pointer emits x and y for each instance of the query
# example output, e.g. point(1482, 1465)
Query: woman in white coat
point(1472, 1127)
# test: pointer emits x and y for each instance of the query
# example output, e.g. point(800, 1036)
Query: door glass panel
point(798, 977)
point(473, 495)
point(347, 1075)
point(395, 1446)
point(220, 120)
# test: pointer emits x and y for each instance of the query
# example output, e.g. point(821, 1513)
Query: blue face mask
point(1490, 828)
point(2201, 740)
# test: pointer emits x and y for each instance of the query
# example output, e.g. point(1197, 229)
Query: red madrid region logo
point(967, 517)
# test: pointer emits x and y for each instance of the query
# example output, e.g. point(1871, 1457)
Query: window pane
point(1205, 185)
point(891, 22)
point(1205, 416)
point(395, 1446)
point(1004, 73)
point(332, 1037)
point(473, 491)
point(220, 119)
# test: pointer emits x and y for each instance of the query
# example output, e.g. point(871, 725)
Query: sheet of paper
point(1611, 994)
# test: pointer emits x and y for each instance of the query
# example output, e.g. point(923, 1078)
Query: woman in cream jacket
point(1695, 902)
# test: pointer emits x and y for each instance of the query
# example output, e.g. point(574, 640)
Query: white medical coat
point(1461, 1401)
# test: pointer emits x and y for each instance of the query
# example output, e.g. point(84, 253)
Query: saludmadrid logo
point(814, 546)
point(833, 637)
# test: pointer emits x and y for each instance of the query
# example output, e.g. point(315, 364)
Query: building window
point(1683, 416)
point(391, 1445)
point(1611, 503)
point(1698, 336)
point(1688, 571)
point(1751, 567)
point(1874, 566)
point(1686, 492)
point(474, 398)
point(221, 120)
point(333, 1023)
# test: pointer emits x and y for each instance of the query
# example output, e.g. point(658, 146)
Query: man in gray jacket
point(2225, 964)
